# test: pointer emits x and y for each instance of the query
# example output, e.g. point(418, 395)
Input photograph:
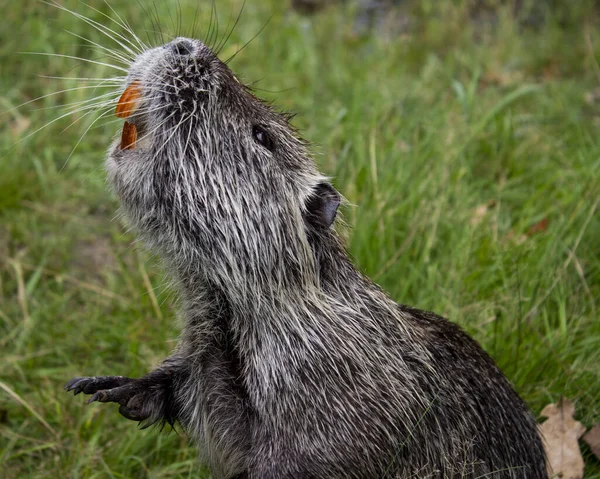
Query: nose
point(182, 47)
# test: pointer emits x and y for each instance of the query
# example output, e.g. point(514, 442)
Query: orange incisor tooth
point(129, 100)
point(129, 136)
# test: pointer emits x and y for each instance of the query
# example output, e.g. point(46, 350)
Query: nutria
point(291, 363)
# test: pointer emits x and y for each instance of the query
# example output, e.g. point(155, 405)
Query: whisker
point(224, 42)
point(249, 41)
point(92, 110)
point(193, 31)
point(209, 34)
point(45, 126)
point(178, 17)
point(137, 112)
point(122, 37)
point(173, 26)
point(100, 27)
point(113, 80)
point(117, 56)
point(112, 103)
point(154, 27)
point(114, 96)
point(83, 87)
point(162, 36)
point(60, 55)
point(127, 27)
point(81, 137)
point(217, 24)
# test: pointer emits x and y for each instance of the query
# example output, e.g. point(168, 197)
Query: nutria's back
point(292, 364)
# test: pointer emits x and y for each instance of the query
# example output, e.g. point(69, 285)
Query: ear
point(322, 205)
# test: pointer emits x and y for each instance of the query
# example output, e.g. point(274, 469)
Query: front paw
point(90, 385)
point(126, 392)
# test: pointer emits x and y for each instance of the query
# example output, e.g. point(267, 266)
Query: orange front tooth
point(129, 100)
point(129, 136)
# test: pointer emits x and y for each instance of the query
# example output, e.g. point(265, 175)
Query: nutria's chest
point(213, 401)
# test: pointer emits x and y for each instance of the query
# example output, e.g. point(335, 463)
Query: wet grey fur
point(291, 363)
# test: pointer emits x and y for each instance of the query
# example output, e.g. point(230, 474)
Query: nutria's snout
point(186, 74)
point(172, 81)
point(181, 46)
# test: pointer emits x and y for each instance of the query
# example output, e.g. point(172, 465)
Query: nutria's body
point(291, 364)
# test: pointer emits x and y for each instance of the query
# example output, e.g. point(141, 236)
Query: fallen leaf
point(539, 227)
point(592, 438)
point(561, 433)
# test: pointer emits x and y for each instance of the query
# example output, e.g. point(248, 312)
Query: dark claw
point(98, 396)
point(77, 384)
point(121, 394)
point(91, 385)
point(118, 389)
point(72, 384)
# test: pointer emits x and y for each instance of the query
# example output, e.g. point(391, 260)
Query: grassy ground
point(469, 152)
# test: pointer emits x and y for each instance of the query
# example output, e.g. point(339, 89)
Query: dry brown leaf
point(539, 227)
point(592, 438)
point(561, 433)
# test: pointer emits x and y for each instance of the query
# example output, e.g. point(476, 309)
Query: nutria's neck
point(330, 275)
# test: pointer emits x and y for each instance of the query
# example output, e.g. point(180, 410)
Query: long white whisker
point(83, 105)
point(48, 95)
point(122, 37)
point(98, 26)
point(91, 110)
point(115, 55)
point(113, 80)
point(45, 126)
point(137, 112)
point(81, 137)
point(75, 58)
point(94, 106)
point(127, 27)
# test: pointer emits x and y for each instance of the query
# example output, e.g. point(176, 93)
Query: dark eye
point(262, 137)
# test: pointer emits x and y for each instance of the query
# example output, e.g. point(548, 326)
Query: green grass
point(419, 130)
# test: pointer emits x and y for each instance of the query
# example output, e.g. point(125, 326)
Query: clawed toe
point(91, 385)
point(126, 392)
point(76, 385)
point(97, 396)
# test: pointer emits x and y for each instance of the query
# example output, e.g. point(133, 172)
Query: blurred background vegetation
point(463, 133)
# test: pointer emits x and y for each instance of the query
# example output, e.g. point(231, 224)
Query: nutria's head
point(214, 176)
